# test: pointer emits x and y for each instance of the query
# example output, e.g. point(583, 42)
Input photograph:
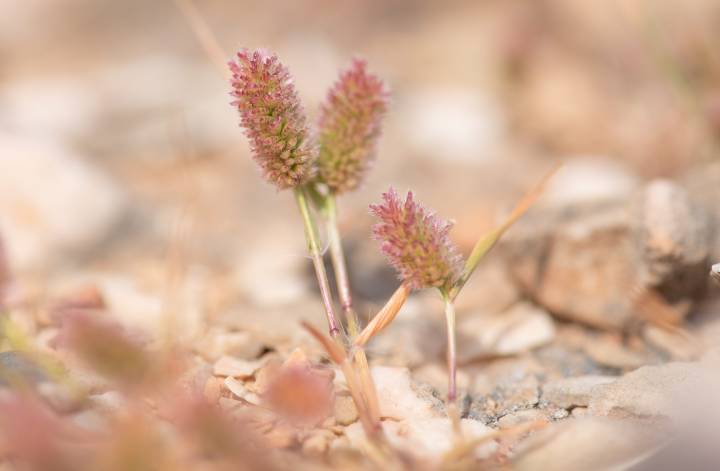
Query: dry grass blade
point(487, 242)
point(465, 448)
point(335, 351)
point(652, 308)
point(385, 316)
point(207, 39)
point(715, 273)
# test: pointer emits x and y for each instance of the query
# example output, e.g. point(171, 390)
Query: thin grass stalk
point(337, 256)
point(311, 234)
point(452, 408)
point(339, 267)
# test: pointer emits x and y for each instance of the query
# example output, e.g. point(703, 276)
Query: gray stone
point(572, 392)
point(648, 392)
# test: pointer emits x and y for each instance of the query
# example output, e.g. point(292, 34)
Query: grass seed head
point(273, 118)
point(416, 242)
point(349, 127)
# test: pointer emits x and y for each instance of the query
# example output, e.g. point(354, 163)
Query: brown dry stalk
point(370, 421)
point(384, 316)
point(488, 241)
point(207, 39)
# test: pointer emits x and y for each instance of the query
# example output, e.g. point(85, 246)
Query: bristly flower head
point(416, 242)
point(349, 127)
point(273, 118)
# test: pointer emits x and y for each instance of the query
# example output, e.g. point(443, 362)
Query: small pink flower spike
point(416, 242)
point(349, 127)
point(273, 119)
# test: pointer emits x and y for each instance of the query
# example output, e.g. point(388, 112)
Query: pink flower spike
point(416, 242)
point(349, 127)
point(273, 119)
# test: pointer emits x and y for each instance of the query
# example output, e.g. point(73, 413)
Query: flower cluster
point(416, 242)
point(349, 127)
point(273, 118)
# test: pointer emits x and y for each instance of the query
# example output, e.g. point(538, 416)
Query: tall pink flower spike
point(416, 242)
point(273, 118)
point(349, 127)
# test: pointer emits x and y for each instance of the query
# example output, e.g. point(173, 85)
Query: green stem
point(451, 348)
point(339, 267)
point(353, 325)
point(311, 234)
point(452, 408)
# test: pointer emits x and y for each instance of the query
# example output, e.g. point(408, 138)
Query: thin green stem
point(353, 325)
point(311, 234)
point(339, 267)
point(451, 348)
point(452, 408)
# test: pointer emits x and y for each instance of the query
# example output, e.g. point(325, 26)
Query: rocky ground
point(589, 337)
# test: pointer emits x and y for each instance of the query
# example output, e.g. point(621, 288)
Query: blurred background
point(122, 161)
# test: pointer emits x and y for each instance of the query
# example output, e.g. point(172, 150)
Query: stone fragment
point(589, 261)
point(520, 417)
point(588, 444)
point(573, 392)
point(576, 262)
point(219, 342)
point(54, 204)
point(345, 410)
point(649, 392)
point(520, 328)
point(398, 398)
point(229, 366)
point(672, 236)
point(589, 179)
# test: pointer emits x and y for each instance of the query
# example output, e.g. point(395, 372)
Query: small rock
point(573, 392)
point(281, 436)
point(649, 391)
point(218, 342)
point(588, 179)
point(715, 272)
point(318, 442)
point(589, 444)
point(672, 240)
point(239, 390)
point(427, 437)
point(520, 417)
point(236, 368)
point(132, 304)
point(576, 262)
point(398, 398)
point(678, 345)
point(230, 405)
point(511, 395)
point(521, 328)
point(453, 123)
point(608, 350)
point(587, 261)
point(53, 203)
point(345, 410)
point(431, 437)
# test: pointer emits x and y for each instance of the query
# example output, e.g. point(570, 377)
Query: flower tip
point(273, 118)
point(416, 242)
